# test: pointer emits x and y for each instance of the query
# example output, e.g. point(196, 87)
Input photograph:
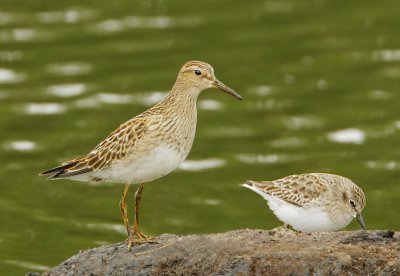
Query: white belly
point(307, 220)
point(140, 169)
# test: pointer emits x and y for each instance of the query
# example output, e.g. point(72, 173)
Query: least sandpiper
point(148, 146)
point(313, 202)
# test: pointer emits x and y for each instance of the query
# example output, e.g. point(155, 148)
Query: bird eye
point(197, 72)
point(352, 203)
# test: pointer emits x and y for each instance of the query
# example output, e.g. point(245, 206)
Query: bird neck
point(182, 97)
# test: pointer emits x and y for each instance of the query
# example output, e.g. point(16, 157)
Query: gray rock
point(245, 252)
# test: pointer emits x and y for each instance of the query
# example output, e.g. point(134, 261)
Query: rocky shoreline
point(245, 252)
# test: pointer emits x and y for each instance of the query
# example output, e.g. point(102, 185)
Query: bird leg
point(124, 213)
point(136, 230)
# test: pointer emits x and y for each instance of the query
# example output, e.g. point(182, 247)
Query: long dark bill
point(226, 89)
point(360, 220)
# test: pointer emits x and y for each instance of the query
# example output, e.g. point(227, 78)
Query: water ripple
point(349, 135)
point(210, 105)
point(44, 108)
point(70, 68)
point(387, 55)
point(70, 16)
point(383, 165)
point(10, 56)
point(22, 145)
point(10, 76)
point(140, 22)
point(27, 265)
point(66, 90)
point(104, 98)
point(200, 165)
point(263, 159)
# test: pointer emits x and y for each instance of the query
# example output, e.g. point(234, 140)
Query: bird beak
point(226, 89)
point(360, 220)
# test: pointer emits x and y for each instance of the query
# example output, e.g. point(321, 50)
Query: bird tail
point(60, 171)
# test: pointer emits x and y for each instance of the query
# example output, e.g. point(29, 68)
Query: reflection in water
point(350, 135)
point(104, 98)
point(151, 98)
point(297, 123)
point(10, 56)
point(70, 68)
point(66, 90)
point(263, 159)
point(200, 165)
point(262, 90)
point(140, 22)
point(387, 55)
point(210, 105)
point(70, 16)
point(383, 165)
point(9, 76)
point(120, 228)
point(43, 108)
point(20, 145)
point(27, 265)
point(288, 142)
point(379, 95)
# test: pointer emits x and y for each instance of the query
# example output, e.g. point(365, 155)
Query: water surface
point(321, 86)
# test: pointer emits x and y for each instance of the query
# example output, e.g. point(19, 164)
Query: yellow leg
point(124, 213)
point(136, 230)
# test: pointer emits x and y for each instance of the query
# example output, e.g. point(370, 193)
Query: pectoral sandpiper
point(148, 146)
point(313, 202)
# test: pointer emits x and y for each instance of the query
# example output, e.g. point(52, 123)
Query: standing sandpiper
point(313, 202)
point(148, 146)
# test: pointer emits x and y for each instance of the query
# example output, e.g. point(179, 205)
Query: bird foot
point(137, 237)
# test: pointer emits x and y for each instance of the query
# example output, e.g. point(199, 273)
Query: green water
point(321, 86)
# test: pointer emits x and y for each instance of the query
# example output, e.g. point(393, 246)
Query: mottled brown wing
point(114, 147)
point(295, 189)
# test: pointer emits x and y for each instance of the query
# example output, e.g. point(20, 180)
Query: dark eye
point(352, 203)
point(197, 72)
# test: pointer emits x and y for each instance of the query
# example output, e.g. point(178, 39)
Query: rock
point(245, 252)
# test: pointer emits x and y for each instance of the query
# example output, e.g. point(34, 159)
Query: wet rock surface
point(245, 252)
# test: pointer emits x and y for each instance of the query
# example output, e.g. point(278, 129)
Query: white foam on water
point(349, 136)
point(66, 90)
point(44, 108)
point(200, 165)
point(70, 68)
point(210, 105)
point(10, 76)
point(22, 145)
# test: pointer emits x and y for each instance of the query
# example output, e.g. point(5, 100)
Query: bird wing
point(117, 144)
point(295, 189)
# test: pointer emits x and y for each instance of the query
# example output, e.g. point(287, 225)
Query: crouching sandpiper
point(313, 202)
